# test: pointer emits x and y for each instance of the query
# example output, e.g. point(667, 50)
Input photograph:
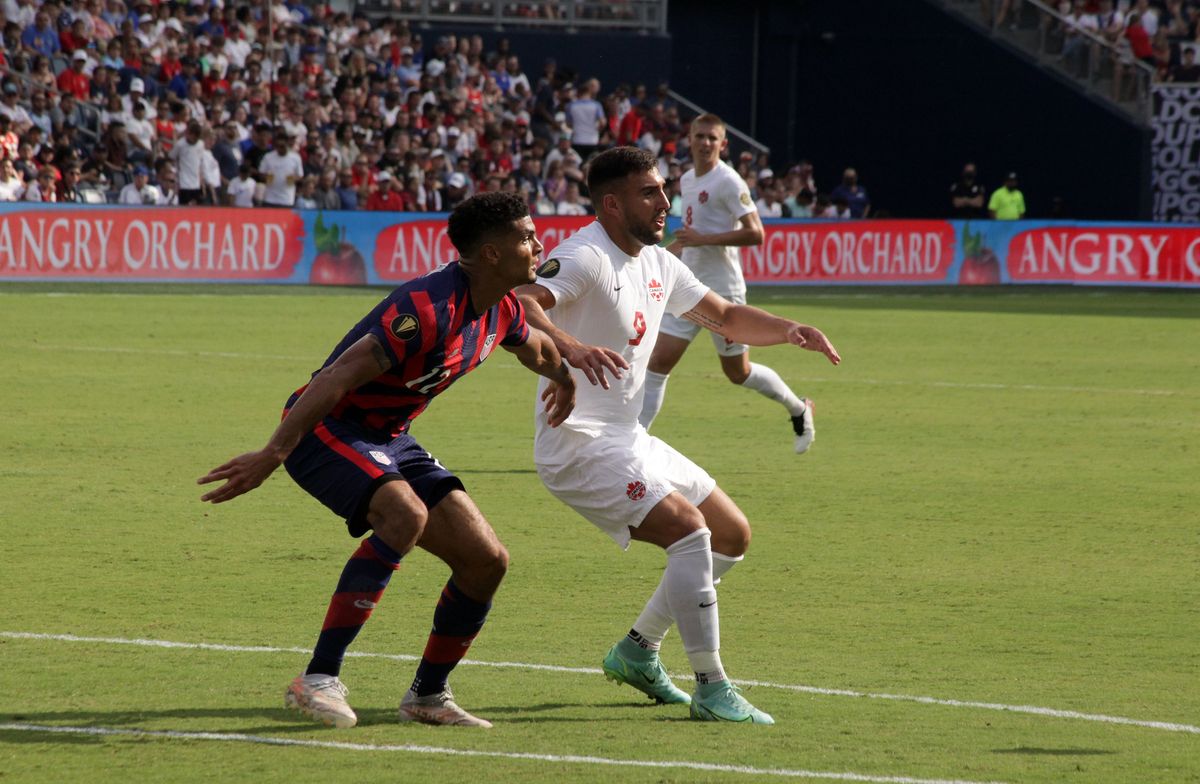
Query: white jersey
point(605, 298)
point(714, 204)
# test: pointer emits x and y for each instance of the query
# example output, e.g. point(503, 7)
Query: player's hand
point(687, 237)
point(244, 473)
point(813, 339)
point(594, 360)
point(560, 401)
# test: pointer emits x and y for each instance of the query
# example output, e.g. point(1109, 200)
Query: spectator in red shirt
point(73, 80)
point(387, 197)
point(631, 127)
point(74, 37)
point(411, 198)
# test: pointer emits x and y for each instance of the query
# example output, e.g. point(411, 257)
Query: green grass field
point(999, 525)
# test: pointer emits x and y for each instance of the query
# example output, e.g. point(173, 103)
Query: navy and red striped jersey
point(434, 337)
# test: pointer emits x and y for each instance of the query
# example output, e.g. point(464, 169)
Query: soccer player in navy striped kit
point(344, 439)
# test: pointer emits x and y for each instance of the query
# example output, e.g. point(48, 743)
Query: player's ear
point(611, 203)
point(489, 253)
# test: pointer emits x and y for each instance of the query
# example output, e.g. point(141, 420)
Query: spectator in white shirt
point(187, 153)
point(282, 169)
point(12, 187)
point(140, 191)
point(242, 189)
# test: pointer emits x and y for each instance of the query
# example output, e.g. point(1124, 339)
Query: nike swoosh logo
point(364, 604)
point(710, 604)
point(616, 288)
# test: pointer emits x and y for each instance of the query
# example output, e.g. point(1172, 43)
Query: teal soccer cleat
point(726, 703)
point(648, 677)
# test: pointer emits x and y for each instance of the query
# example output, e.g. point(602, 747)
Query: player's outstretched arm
point(360, 363)
point(749, 232)
point(539, 354)
point(755, 327)
point(593, 361)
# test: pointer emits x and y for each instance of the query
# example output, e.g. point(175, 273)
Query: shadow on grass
point(1035, 751)
point(1040, 300)
point(262, 720)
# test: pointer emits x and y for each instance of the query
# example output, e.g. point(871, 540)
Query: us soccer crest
point(487, 346)
point(704, 197)
point(636, 490)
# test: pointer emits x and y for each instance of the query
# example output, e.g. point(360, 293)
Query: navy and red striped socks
point(358, 592)
point(456, 621)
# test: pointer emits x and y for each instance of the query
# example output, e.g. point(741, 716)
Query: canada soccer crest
point(704, 197)
point(636, 491)
point(656, 290)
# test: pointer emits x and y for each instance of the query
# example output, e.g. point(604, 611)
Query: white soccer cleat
point(803, 427)
point(437, 708)
point(321, 697)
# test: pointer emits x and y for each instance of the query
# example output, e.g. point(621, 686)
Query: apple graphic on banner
point(980, 266)
point(338, 263)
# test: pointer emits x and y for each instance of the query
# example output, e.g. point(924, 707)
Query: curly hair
point(480, 216)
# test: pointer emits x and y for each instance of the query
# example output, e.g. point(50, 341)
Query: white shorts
point(614, 480)
point(687, 330)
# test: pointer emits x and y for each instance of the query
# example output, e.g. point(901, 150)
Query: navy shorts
point(341, 466)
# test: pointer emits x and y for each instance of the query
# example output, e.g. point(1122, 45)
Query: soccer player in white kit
point(718, 217)
point(601, 297)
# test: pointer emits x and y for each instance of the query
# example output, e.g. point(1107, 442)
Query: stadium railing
point(644, 16)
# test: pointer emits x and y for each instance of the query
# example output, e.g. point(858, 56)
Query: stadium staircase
point(1033, 32)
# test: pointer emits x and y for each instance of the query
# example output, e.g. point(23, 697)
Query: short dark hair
point(480, 216)
point(616, 164)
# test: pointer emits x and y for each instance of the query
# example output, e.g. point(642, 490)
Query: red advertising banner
point(852, 252)
point(1131, 254)
point(406, 250)
point(160, 244)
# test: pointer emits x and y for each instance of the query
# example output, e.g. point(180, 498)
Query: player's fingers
point(616, 358)
point(605, 361)
point(590, 375)
point(215, 475)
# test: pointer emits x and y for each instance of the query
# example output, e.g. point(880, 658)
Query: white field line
point(166, 352)
point(993, 706)
point(708, 767)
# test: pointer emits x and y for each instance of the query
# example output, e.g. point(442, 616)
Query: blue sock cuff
point(382, 550)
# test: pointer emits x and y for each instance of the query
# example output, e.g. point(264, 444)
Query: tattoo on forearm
point(705, 321)
point(381, 357)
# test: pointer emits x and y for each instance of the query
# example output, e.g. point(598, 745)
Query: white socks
point(656, 389)
point(693, 601)
point(656, 618)
point(767, 383)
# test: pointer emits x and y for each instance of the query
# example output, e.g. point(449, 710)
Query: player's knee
point(397, 516)
point(732, 537)
point(688, 520)
point(495, 564)
point(736, 375)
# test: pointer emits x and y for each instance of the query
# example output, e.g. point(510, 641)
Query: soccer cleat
point(803, 427)
point(321, 697)
point(648, 677)
point(727, 704)
point(437, 708)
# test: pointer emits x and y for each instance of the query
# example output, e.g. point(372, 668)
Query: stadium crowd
point(1163, 34)
point(268, 103)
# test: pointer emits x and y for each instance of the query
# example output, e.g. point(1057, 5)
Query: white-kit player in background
point(718, 217)
point(601, 297)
